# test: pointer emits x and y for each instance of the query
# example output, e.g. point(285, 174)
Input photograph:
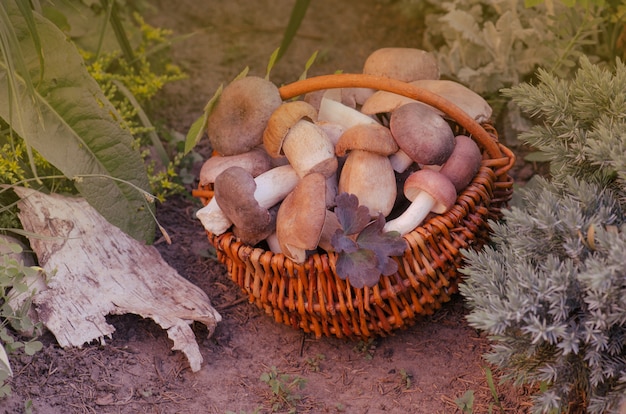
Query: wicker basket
point(311, 297)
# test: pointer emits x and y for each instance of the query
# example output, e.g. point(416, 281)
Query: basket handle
point(349, 80)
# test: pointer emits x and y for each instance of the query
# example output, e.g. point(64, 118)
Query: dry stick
point(349, 80)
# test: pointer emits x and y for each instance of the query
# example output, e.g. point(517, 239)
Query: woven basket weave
point(311, 297)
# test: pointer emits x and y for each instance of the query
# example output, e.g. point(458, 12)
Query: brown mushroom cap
point(464, 162)
point(404, 64)
point(281, 121)
point(367, 137)
point(234, 194)
point(434, 183)
point(420, 132)
point(238, 120)
point(301, 217)
point(255, 161)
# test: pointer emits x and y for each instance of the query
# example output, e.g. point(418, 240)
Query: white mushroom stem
point(400, 161)
point(271, 188)
point(213, 218)
point(272, 242)
point(413, 215)
point(336, 112)
point(273, 185)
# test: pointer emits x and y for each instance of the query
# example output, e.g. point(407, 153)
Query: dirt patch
point(420, 370)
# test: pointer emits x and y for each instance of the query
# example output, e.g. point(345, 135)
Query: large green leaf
point(70, 123)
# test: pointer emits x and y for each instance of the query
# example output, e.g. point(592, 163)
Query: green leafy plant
point(491, 44)
point(314, 363)
point(363, 248)
point(551, 290)
point(68, 120)
point(284, 389)
point(14, 280)
point(466, 402)
point(494, 392)
point(367, 348)
point(405, 379)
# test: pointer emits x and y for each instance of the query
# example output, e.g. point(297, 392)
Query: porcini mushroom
point(422, 134)
point(338, 113)
point(255, 161)
point(463, 163)
point(367, 172)
point(428, 191)
point(291, 132)
point(271, 187)
point(301, 217)
point(469, 101)
point(238, 120)
point(402, 63)
point(383, 102)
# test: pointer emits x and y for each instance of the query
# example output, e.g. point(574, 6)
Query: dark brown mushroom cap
point(367, 137)
point(434, 183)
point(301, 217)
point(234, 194)
point(238, 120)
point(463, 163)
point(401, 63)
point(422, 134)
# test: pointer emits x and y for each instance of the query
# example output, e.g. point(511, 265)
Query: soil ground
point(422, 369)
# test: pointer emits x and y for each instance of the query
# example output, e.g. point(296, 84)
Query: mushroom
point(463, 163)
point(238, 120)
point(401, 63)
point(338, 113)
point(291, 132)
point(367, 172)
point(271, 187)
point(469, 101)
point(301, 217)
point(428, 191)
point(422, 134)
point(383, 102)
point(255, 161)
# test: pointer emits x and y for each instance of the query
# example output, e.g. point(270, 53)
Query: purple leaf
point(343, 243)
point(360, 268)
point(382, 244)
point(352, 217)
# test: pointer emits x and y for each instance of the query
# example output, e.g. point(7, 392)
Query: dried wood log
point(98, 270)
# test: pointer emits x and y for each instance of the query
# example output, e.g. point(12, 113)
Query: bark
point(96, 269)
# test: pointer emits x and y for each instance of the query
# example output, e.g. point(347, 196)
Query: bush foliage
point(551, 290)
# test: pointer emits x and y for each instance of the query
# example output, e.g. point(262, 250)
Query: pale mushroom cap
point(301, 217)
point(308, 150)
point(464, 162)
point(469, 101)
point(238, 120)
point(382, 102)
point(434, 183)
point(281, 121)
point(422, 134)
point(404, 64)
point(255, 161)
point(367, 137)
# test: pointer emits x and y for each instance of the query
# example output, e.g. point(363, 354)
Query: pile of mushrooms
point(278, 166)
